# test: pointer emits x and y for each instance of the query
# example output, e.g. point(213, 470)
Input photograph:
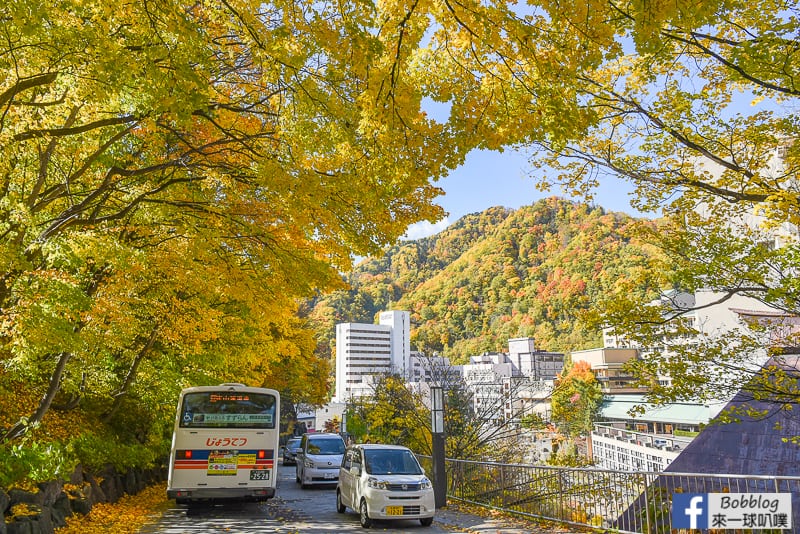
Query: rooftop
point(618, 406)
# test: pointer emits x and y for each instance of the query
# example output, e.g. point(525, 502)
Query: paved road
point(293, 510)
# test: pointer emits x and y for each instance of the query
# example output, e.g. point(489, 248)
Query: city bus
point(224, 444)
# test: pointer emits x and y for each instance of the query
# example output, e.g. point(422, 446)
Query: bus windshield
point(226, 409)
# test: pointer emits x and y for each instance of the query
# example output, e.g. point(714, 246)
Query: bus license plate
point(394, 510)
point(259, 474)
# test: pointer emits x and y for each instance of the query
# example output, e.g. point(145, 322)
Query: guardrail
point(619, 501)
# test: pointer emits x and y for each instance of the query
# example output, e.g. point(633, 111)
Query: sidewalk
point(475, 520)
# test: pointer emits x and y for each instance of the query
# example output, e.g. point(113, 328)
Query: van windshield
point(325, 446)
point(391, 462)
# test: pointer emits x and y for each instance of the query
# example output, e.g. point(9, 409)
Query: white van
point(384, 482)
point(319, 458)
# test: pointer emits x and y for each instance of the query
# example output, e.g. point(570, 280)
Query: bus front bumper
point(183, 496)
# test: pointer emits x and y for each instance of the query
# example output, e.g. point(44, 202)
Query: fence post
point(646, 526)
point(502, 486)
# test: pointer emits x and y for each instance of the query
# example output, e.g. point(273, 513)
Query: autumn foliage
point(576, 399)
point(176, 179)
point(127, 516)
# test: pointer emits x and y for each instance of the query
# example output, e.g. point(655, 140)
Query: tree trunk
point(22, 425)
point(131, 376)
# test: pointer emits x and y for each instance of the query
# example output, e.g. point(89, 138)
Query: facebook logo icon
point(690, 510)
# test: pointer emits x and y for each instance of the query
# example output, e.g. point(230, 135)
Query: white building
point(484, 376)
point(626, 450)
point(532, 363)
point(527, 396)
point(511, 385)
point(400, 324)
point(646, 441)
point(704, 315)
point(431, 370)
point(365, 352)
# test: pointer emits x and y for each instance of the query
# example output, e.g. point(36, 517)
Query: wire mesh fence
point(621, 501)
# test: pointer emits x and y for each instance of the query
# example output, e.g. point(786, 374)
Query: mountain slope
point(497, 275)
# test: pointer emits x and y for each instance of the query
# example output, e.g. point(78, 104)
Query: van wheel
point(339, 506)
point(363, 516)
point(426, 521)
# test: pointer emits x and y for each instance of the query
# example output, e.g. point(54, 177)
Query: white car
point(384, 482)
point(319, 458)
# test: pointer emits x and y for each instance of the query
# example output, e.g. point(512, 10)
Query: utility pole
point(438, 449)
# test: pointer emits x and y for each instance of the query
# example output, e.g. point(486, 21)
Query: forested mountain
point(497, 275)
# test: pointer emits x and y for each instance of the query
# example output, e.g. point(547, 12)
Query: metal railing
point(619, 501)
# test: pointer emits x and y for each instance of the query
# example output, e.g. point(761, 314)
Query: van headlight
point(308, 463)
point(425, 484)
point(373, 482)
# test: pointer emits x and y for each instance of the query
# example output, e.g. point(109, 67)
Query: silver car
point(319, 458)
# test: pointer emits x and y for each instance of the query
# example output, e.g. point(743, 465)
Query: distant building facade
point(365, 352)
point(506, 386)
point(627, 450)
point(608, 366)
point(532, 363)
point(434, 370)
point(646, 441)
point(510, 386)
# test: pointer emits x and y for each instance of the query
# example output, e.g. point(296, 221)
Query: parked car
point(384, 482)
point(319, 458)
point(290, 451)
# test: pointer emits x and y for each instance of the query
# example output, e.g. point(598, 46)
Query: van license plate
point(394, 510)
point(259, 474)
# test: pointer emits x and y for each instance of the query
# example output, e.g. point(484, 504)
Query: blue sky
point(490, 179)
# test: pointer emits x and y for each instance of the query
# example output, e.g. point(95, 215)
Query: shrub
point(96, 451)
point(28, 462)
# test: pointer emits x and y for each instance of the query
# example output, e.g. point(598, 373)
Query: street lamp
point(437, 444)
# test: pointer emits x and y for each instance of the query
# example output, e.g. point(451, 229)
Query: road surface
point(293, 510)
